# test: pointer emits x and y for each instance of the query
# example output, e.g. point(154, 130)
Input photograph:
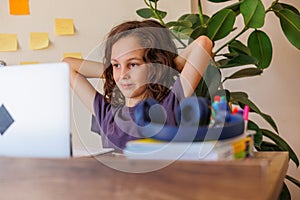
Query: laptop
point(35, 111)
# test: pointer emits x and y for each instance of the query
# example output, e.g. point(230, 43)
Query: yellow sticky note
point(28, 62)
point(73, 55)
point(19, 7)
point(8, 42)
point(64, 26)
point(39, 40)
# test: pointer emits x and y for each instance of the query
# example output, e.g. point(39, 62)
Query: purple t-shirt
point(116, 124)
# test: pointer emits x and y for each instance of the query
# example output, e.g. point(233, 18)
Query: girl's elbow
point(72, 70)
point(205, 42)
point(67, 60)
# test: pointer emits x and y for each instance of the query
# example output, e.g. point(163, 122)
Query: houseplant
point(234, 54)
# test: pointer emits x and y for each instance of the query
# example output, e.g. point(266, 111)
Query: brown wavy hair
point(159, 54)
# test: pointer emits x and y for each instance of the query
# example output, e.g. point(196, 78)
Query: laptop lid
point(35, 110)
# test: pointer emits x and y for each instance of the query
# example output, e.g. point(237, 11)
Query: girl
point(140, 62)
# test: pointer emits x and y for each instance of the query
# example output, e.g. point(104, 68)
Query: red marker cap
point(217, 98)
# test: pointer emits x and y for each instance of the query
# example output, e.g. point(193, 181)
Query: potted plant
point(237, 55)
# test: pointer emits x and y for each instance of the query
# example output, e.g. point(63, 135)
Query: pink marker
point(245, 116)
point(246, 112)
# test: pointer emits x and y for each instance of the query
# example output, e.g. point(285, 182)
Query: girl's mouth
point(127, 85)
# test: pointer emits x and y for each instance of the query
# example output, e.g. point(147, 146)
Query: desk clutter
point(204, 131)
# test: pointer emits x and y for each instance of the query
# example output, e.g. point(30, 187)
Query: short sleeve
point(99, 109)
point(114, 124)
point(177, 90)
point(172, 102)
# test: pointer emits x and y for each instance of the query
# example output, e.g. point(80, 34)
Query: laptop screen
point(35, 110)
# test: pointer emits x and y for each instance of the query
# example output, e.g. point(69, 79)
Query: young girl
point(140, 62)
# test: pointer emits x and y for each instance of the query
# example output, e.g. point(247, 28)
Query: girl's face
point(129, 69)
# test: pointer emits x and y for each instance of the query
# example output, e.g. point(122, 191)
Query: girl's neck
point(131, 102)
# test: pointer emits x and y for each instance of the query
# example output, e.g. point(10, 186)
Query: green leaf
point(222, 62)
point(238, 95)
point(246, 101)
point(196, 33)
point(247, 72)
point(253, 12)
point(210, 82)
point(230, 55)
point(280, 6)
point(268, 146)
point(239, 60)
point(186, 32)
point(282, 144)
point(162, 14)
point(239, 47)
point(145, 13)
point(291, 8)
point(188, 24)
point(269, 119)
point(293, 180)
point(205, 18)
point(171, 24)
point(258, 137)
point(221, 24)
point(192, 18)
point(179, 24)
point(290, 24)
point(261, 47)
point(285, 193)
point(218, 1)
point(235, 7)
point(242, 101)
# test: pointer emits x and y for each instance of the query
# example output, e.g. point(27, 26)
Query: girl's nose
point(124, 72)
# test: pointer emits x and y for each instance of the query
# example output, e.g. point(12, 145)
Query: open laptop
point(35, 111)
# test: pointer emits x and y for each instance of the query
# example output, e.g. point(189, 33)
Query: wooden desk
point(87, 178)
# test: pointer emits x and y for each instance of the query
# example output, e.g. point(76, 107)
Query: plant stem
point(244, 30)
point(271, 7)
point(179, 40)
point(154, 10)
point(157, 16)
point(147, 4)
point(200, 13)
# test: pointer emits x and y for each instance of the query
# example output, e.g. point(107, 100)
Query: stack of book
point(239, 147)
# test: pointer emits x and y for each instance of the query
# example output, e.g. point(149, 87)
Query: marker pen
point(245, 116)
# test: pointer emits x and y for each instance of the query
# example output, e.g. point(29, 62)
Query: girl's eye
point(133, 65)
point(116, 65)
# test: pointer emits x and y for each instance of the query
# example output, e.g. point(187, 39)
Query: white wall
point(93, 19)
point(277, 91)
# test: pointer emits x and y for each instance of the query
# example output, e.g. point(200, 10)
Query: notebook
point(35, 111)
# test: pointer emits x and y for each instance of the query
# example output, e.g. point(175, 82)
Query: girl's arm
point(192, 63)
point(80, 71)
